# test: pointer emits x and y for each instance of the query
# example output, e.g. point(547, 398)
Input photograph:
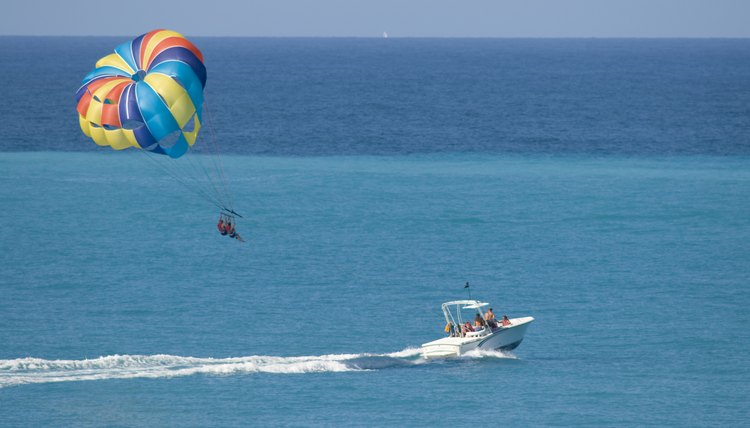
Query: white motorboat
point(502, 335)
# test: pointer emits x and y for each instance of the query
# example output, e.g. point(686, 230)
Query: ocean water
point(601, 186)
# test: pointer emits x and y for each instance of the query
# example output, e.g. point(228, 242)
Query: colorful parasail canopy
point(148, 94)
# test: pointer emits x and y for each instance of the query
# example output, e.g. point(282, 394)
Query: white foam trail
point(405, 353)
point(23, 371)
point(35, 370)
point(487, 353)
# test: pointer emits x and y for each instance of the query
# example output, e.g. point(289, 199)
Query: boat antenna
point(468, 289)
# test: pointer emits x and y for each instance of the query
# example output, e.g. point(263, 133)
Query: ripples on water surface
point(601, 186)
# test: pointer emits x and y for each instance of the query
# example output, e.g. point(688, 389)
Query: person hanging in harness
point(233, 233)
point(221, 225)
point(226, 227)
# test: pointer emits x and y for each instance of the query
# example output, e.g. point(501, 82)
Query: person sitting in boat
point(449, 329)
point(455, 330)
point(222, 226)
point(466, 328)
point(478, 322)
point(506, 322)
point(489, 316)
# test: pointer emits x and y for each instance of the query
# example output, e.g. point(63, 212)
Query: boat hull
point(503, 338)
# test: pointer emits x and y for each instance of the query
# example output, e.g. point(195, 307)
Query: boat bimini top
point(459, 305)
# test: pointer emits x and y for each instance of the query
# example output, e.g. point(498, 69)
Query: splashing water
point(487, 353)
point(36, 370)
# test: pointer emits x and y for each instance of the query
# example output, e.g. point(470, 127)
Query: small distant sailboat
point(385, 35)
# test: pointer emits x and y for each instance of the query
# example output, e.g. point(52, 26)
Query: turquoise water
point(600, 186)
point(635, 269)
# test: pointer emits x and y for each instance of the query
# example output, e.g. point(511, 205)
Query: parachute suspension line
point(198, 191)
point(213, 145)
point(188, 165)
point(218, 163)
point(181, 175)
point(199, 168)
point(178, 177)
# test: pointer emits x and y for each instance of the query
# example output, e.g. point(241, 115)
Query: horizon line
point(396, 37)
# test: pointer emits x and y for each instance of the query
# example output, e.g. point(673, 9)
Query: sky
point(399, 18)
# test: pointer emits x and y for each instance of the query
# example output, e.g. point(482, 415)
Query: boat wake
point(23, 371)
point(487, 353)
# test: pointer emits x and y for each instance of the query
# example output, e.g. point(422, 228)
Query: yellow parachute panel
point(114, 60)
point(176, 97)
